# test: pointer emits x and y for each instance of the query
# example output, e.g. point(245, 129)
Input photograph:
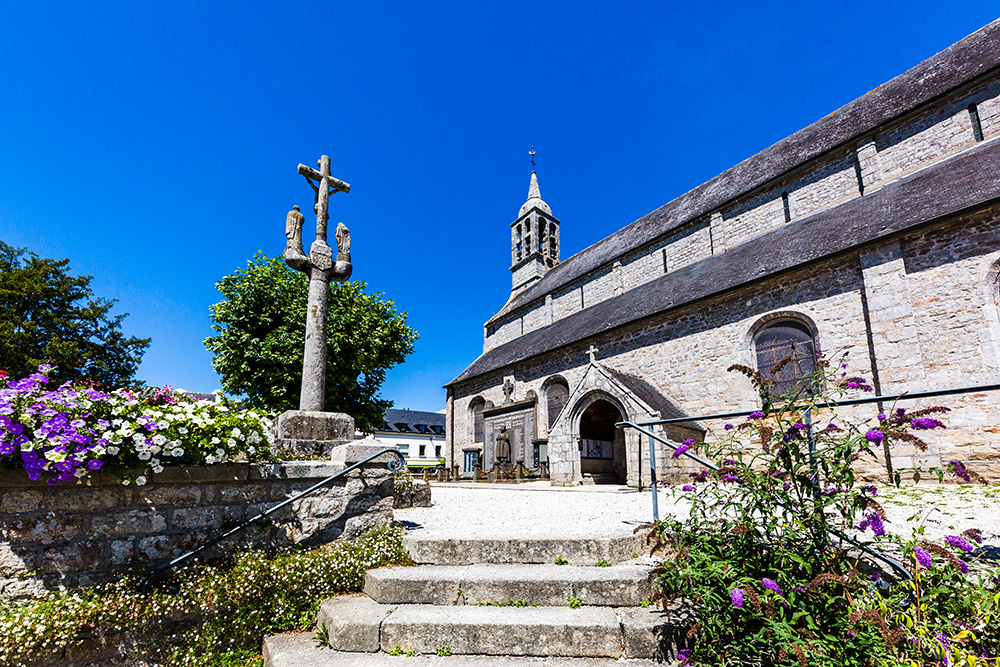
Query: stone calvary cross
point(321, 268)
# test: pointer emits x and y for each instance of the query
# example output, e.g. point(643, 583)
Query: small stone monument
point(309, 431)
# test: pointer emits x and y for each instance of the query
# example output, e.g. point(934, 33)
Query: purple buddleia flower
point(680, 449)
point(943, 641)
point(959, 543)
point(958, 470)
point(925, 424)
point(736, 595)
point(923, 557)
point(730, 477)
point(874, 435)
point(756, 415)
point(728, 427)
point(687, 487)
point(771, 584)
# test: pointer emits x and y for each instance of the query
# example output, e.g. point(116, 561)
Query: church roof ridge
point(969, 58)
point(954, 185)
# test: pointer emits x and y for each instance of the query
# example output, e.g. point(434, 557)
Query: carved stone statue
point(294, 254)
point(503, 446)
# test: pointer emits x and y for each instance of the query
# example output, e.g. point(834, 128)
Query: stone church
point(875, 231)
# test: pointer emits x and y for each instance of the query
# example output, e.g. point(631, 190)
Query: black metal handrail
point(394, 466)
point(643, 428)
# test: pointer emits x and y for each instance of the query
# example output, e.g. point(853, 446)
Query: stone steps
point(578, 551)
point(361, 625)
point(529, 584)
point(460, 611)
point(298, 649)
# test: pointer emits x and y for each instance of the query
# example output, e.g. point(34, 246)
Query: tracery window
point(556, 396)
point(786, 352)
point(478, 425)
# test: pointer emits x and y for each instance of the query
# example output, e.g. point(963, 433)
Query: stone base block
point(303, 434)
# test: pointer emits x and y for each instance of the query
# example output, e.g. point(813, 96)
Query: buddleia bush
point(764, 556)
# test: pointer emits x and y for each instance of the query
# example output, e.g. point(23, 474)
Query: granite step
point(533, 584)
point(577, 551)
point(361, 625)
point(299, 650)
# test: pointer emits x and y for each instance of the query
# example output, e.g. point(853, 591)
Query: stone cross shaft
point(321, 268)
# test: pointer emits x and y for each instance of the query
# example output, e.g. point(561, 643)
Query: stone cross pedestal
point(309, 431)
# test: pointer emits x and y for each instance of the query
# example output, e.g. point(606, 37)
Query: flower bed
point(65, 433)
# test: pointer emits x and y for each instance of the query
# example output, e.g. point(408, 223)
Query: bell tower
point(534, 240)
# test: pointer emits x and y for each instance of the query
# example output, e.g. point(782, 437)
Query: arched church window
point(786, 353)
point(478, 425)
point(556, 396)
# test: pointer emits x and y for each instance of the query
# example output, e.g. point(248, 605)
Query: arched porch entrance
point(602, 445)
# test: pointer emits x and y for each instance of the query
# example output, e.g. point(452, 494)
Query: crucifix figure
point(321, 268)
point(592, 351)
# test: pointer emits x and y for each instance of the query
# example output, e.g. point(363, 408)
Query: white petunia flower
point(140, 480)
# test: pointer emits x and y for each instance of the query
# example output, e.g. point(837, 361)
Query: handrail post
point(652, 478)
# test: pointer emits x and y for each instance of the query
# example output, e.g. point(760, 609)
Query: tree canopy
point(261, 324)
point(49, 316)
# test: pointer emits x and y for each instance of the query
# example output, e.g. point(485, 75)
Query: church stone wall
point(825, 185)
point(931, 300)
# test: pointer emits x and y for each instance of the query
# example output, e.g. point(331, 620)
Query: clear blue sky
point(155, 144)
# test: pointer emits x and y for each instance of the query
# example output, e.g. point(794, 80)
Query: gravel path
point(534, 509)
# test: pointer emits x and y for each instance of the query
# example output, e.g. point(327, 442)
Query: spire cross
point(592, 350)
point(326, 185)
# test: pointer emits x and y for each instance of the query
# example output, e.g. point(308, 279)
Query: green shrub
point(237, 605)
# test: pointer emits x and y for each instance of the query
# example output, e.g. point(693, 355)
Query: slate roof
point(411, 418)
point(961, 62)
point(966, 180)
point(650, 395)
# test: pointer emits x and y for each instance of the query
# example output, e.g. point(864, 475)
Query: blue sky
point(156, 144)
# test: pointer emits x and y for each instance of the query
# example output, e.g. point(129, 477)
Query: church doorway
point(602, 446)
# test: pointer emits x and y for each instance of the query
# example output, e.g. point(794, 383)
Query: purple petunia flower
point(771, 584)
point(923, 557)
point(959, 543)
point(874, 435)
point(736, 595)
point(95, 464)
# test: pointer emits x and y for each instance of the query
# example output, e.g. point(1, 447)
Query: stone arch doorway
point(602, 445)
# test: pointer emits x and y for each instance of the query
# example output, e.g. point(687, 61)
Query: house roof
point(966, 180)
point(960, 63)
point(410, 418)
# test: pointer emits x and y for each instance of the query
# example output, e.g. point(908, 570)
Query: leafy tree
point(261, 324)
point(49, 316)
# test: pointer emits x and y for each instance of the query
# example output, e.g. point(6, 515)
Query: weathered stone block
point(72, 557)
point(13, 501)
point(162, 494)
point(201, 517)
point(302, 433)
point(132, 522)
point(45, 528)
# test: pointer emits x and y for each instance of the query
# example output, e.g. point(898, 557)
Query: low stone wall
point(82, 534)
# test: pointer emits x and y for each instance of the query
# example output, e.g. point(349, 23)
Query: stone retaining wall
point(82, 534)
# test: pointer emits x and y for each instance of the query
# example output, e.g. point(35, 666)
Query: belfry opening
point(602, 445)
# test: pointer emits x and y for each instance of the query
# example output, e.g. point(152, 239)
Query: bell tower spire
point(534, 238)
